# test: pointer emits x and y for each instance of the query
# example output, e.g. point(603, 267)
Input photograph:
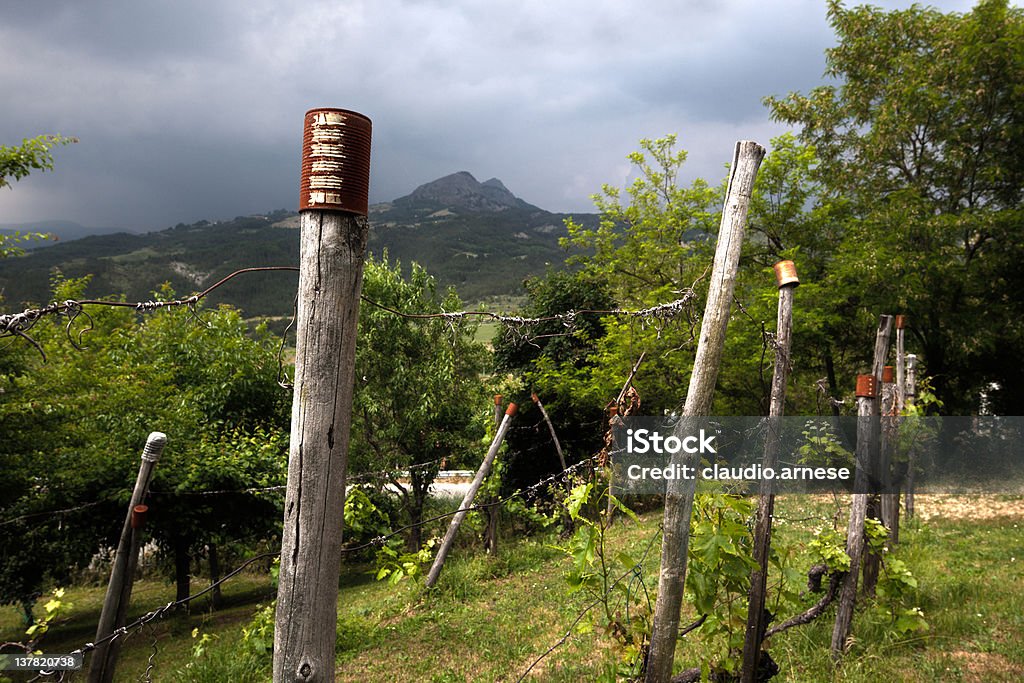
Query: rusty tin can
point(335, 161)
point(785, 273)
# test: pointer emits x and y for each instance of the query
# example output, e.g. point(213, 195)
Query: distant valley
point(478, 237)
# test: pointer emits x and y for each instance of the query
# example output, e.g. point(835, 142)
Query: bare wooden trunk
point(679, 494)
point(217, 596)
point(756, 618)
point(330, 281)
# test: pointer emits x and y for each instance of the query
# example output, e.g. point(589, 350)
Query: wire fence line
point(19, 325)
point(656, 316)
point(159, 613)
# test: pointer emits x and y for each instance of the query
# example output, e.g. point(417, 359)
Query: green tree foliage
point(643, 243)
point(33, 154)
point(418, 395)
point(557, 359)
point(924, 138)
point(17, 162)
point(74, 428)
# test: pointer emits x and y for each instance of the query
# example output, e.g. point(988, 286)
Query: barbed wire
point(19, 324)
point(656, 316)
point(354, 480)
point(160, 612)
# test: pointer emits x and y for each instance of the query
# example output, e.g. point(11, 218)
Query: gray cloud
point(193, 109)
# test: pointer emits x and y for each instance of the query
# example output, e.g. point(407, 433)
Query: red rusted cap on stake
point(901, 322)
point(888, 374)
point(335, 161)
point(497, 399)
point(139, 516)
point(865, 386)
point(511, 410)
point(785, 274)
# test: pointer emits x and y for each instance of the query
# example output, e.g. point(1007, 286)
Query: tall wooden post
point(786, 277)
point(122, 573)
point(901, 402)
point(866, 391)
point(333, 233)
point(868, 406)
point(901, 364)
point(890, 501)
point(871, 560)
point(467, 501)
point(911, 394)
point(679, 494)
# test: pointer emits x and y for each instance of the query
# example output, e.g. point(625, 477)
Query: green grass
point(490, 618)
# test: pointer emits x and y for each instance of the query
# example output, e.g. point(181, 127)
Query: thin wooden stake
point(493, 512)
point(467, 501)
point(890, 502)
point(756, 621)
point(551, 428)
point(679, 494)
point(122, 573)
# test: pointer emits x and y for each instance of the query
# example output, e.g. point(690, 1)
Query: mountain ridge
point(477, 237)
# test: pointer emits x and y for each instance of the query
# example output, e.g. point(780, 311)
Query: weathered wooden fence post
point(866, 391)
point(867, 447)
point(890, 501)
point(467, 501)
point(910, 397)
point(872, 561)
point(679, 494)
point(333, 233)
point(122, 573)
point(787, 280)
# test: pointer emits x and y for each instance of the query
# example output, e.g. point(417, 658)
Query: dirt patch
point(986, 666)
point(967, 507)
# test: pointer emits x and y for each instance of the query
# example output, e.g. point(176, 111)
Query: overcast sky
point(193, 109)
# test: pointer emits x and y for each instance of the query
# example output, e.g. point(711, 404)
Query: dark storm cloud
point(193, 109)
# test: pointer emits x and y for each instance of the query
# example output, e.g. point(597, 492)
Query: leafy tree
point(33, 154)
point(78, 422)
point(644, 246)
point(924, 137)
point(419, 394)
point(17, 162)
point(557, 359)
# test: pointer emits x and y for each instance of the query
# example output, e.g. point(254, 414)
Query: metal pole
point(122, 573)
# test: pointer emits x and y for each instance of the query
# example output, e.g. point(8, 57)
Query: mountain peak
point(461, 191)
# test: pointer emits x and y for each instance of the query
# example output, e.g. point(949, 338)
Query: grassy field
point(490, 618)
